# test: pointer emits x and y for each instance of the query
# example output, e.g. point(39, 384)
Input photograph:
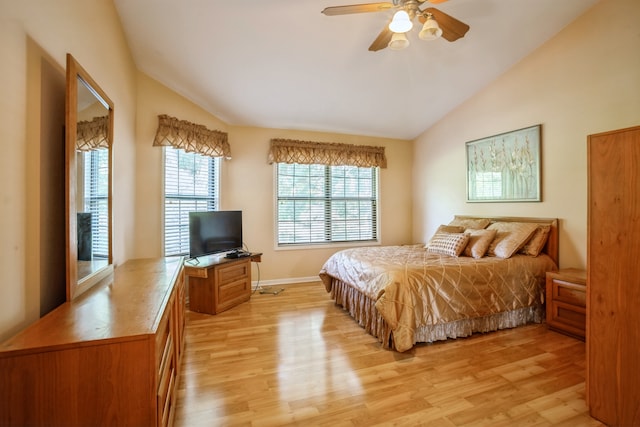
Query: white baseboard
point(288, 281)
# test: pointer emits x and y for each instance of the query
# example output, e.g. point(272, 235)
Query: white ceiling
point(283, 64)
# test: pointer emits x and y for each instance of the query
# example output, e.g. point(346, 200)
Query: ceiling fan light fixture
point(430, 30)
point(398, 41)
point(401, 23)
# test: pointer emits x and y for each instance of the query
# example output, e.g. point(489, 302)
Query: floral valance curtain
point(326, 153)
point(191, 137)
point(93, 134)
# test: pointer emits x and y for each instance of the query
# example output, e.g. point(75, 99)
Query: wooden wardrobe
point(613, 277)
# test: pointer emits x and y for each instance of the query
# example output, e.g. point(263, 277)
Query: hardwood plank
point(298, 359)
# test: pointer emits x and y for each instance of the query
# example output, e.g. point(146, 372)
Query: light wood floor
point(298, 359)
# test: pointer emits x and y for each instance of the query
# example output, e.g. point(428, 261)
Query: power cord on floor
point(272, 292)
point(259, 288)
point(257, 281)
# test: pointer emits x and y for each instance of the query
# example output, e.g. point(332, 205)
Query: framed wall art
point(505, 167)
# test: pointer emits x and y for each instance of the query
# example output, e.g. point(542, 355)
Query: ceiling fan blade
point(452, 29)
point(383, 39)
point(357, 8)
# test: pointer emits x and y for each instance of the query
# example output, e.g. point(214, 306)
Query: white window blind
point(326, 204)
point(96, 199)
point(191, 183)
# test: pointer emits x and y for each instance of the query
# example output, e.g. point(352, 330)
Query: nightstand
point(566, 301)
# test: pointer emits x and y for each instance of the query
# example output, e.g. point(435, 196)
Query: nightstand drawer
point(566, 301)
point(570, 293)
point(567, 316)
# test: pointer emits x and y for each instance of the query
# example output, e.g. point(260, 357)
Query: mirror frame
point(75, 73)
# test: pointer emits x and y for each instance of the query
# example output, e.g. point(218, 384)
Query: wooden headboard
point(551, 248)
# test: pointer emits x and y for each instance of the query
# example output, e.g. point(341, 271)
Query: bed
point(404, 295)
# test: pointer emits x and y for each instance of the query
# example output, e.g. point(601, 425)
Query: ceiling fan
point(393, 35)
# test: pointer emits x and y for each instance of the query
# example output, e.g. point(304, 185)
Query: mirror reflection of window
point(96, 199)
point(92, 189)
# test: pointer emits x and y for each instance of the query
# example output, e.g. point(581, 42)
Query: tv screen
point(214, 231)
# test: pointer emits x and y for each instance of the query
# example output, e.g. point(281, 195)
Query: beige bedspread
point(414, 288)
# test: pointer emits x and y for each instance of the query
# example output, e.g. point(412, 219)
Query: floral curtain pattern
point(326, 153)
point(191, 137)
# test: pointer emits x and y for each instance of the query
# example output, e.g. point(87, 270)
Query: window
point(191, 183)
point(96, 198)
point(326, 204)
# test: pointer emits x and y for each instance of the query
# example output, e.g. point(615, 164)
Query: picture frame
point(505, 167)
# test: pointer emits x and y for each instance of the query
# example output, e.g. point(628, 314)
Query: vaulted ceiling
point(283, 64)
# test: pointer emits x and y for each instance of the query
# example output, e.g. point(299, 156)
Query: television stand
point(219, 283)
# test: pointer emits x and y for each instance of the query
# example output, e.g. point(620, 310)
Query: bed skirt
point(363, 310)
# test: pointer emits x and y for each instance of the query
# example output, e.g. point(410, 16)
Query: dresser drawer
point(163, 339)
point(179, 316)
point(166, 386)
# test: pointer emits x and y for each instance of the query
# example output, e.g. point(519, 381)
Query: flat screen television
point(212, 232)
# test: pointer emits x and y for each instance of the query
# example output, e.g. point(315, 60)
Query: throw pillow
point(479, 241)
point(446, 229)
point(510, 237)
point(475, 223)
point(451, 244)
point(537, 241)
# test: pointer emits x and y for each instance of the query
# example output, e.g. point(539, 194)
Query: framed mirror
point(88, 153)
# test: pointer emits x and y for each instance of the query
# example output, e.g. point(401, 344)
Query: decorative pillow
point(537, 241)
point(475, 223)
point(450, 229)
point(451, 244)
point(446, 229)
point(510, 237)
point(479, 241)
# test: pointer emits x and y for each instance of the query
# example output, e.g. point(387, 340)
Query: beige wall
point(247, 184)
point(583, 81)
point(33, 31)
point(155, 99)
point(89, 30)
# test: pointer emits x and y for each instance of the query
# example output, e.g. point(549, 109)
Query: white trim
point(288, 281)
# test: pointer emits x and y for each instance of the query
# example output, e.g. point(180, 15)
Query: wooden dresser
point(110, 357)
